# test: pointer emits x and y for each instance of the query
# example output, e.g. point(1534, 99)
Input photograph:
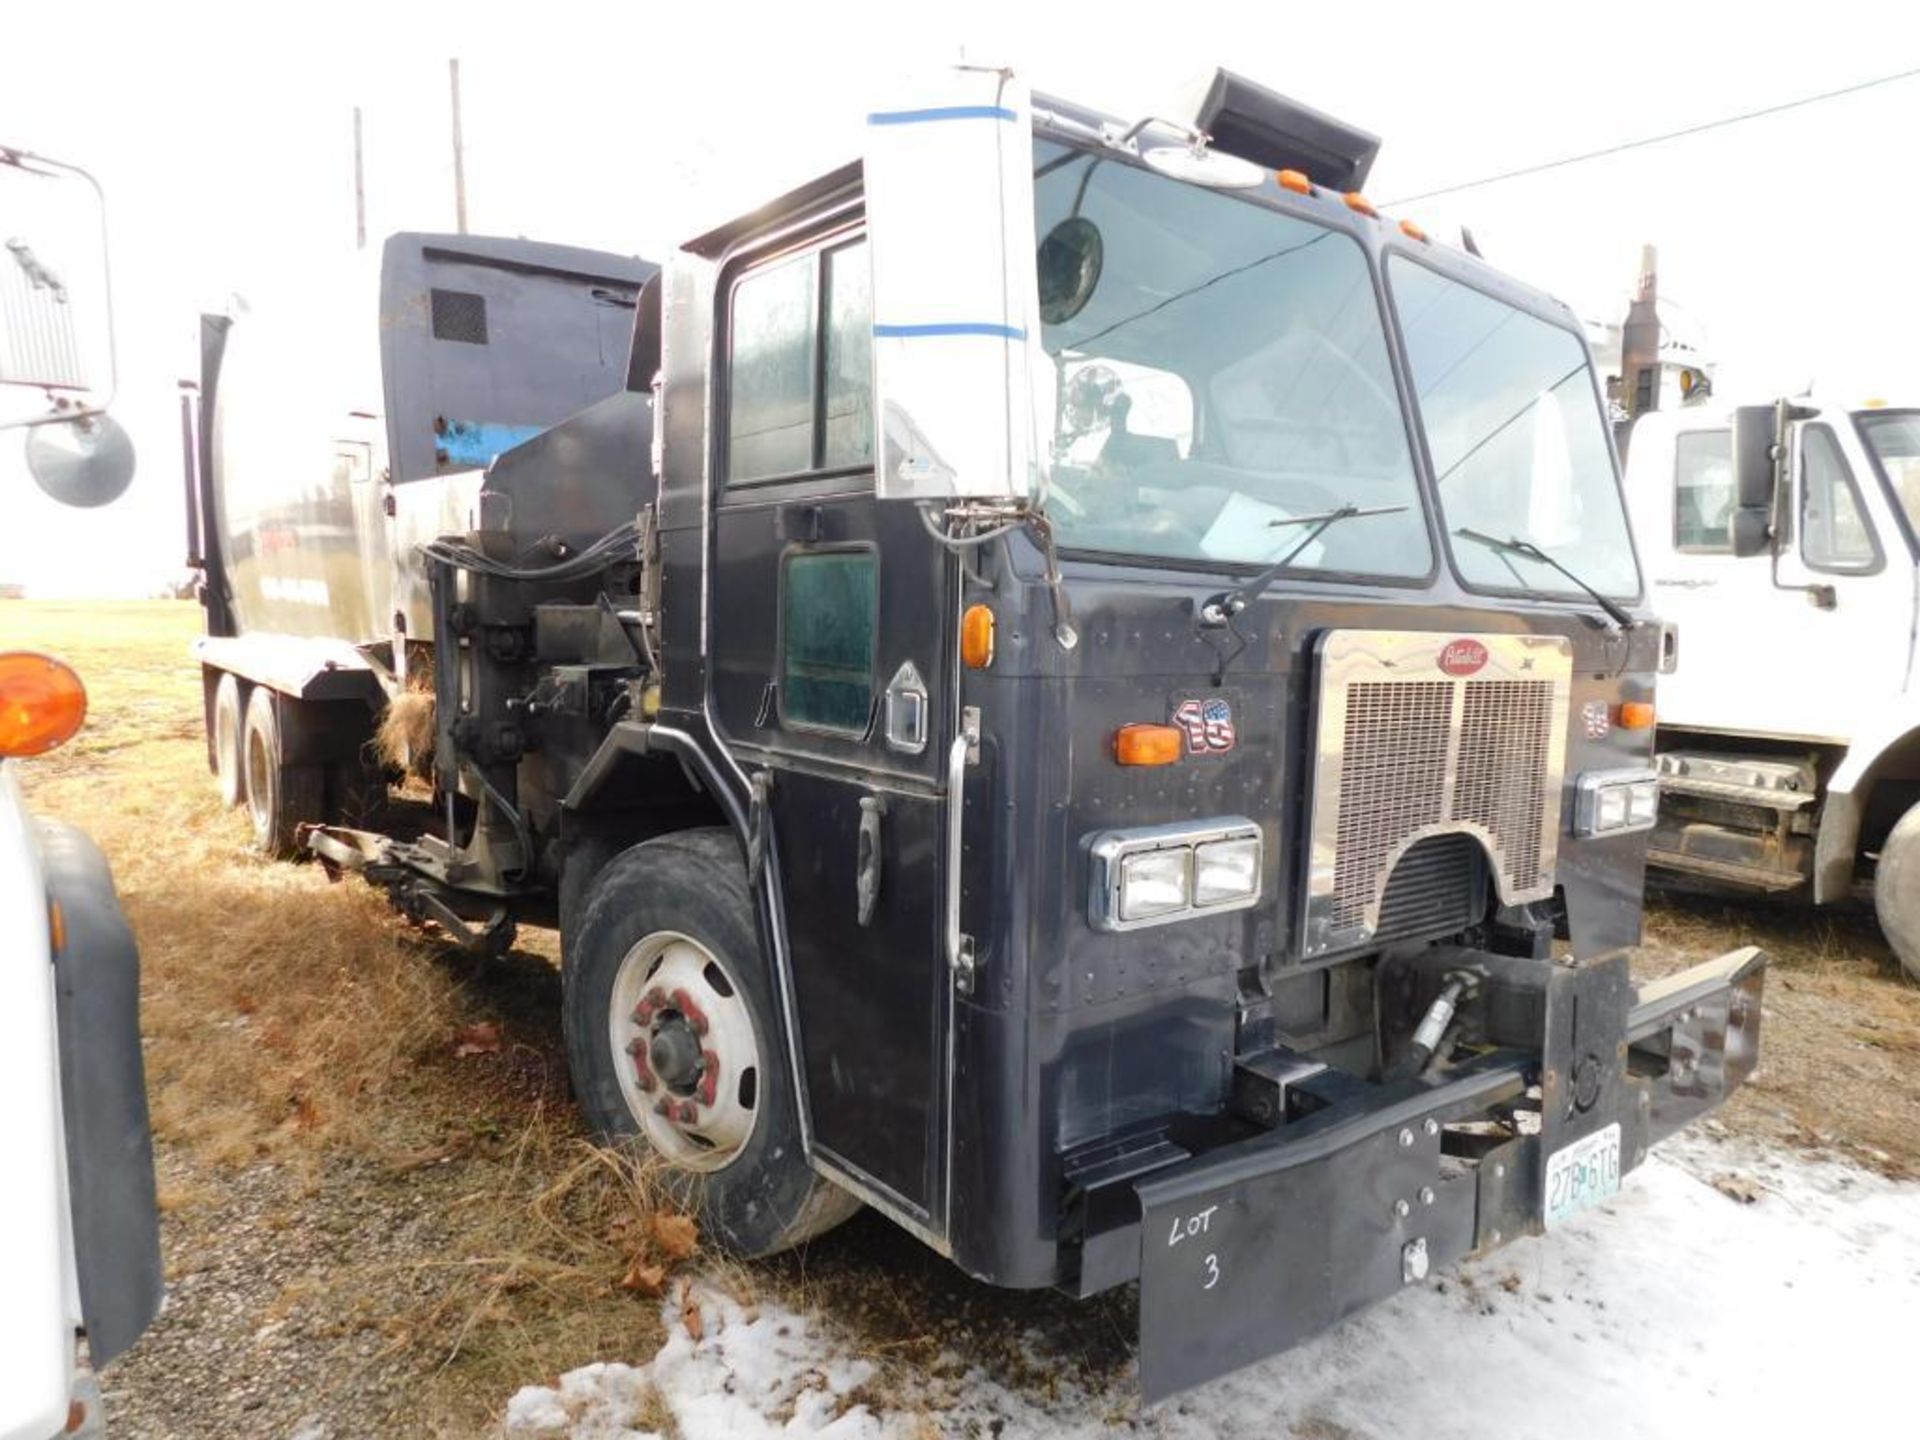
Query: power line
point(1660, 139)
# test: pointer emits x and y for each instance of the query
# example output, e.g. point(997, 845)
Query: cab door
point(1845, 635)
point(830, 615)
point(1798, 642)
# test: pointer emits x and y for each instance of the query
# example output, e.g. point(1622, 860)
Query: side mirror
point(83, 462)
point(949, 194)
point(1756, 433)
point(56, 308)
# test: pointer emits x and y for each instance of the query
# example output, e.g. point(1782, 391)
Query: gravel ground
point(259, 1337)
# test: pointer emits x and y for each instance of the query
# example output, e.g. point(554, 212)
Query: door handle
point(867, 870)
point(966, 746)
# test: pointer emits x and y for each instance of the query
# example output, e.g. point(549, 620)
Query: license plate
point(1581, 1175)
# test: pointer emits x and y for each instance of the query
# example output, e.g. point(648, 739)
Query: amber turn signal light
point(42, 704)
point(1146, 744)
point(1636, 715)
point(976, 637)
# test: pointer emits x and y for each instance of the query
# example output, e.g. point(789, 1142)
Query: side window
point(770, 400)
point(848, 421)
point(800, 373)
point(1834, 530)
point(829, 600)
point(1702, 490)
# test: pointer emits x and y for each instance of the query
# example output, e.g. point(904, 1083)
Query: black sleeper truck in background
point(1068, 682)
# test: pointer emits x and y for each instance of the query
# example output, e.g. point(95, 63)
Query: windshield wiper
point(1221, 609)
point(1617, 617)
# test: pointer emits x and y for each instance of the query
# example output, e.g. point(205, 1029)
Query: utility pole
point(1640, 341)
point(359, 186)
point(459, 153)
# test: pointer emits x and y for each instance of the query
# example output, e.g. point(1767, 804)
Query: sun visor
point(1257, 124)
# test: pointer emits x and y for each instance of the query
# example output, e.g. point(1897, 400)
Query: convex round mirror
point(1069, 263)
point(86, 462)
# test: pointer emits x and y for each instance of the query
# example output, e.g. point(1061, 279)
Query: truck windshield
point(1515, 435)
point(1894, 438)
point(1216, 367)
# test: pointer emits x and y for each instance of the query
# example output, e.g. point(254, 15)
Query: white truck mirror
point(949, 196)
point(56, 317)
point(1755, 434)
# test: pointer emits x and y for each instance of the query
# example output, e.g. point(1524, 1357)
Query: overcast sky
point(223, 138)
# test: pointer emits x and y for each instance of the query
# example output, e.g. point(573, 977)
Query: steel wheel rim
point(226, 738)
point(671, 991)
point(259, 782)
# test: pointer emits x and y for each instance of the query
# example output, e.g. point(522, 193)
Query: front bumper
point(1253, 1247)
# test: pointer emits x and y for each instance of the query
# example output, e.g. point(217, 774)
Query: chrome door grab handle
point(959, 946)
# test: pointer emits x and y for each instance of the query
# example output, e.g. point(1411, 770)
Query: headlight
point(1154, 884)
point(1226, 870)
point(1160, 873)
point(1616, 802)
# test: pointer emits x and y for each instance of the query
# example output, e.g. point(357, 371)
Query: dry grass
point(405, 738)
point(299, 1024)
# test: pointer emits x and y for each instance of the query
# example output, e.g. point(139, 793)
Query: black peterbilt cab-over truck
point(1064, 683)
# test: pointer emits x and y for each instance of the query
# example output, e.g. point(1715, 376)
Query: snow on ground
point(1678, 1310)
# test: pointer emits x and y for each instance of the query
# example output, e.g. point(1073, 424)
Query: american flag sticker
point(1207, 724)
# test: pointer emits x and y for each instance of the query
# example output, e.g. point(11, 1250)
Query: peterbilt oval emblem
point(1461, 658)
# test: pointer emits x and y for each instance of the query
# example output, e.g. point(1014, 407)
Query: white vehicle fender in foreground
point(40, 1305)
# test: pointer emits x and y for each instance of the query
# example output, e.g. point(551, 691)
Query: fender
point(304, 667)
point(1838, 840)
point(103, 1091)
point(633, 737)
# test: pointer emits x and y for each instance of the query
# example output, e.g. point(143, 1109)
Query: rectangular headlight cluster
point(1159, 873)
point(1615, 802)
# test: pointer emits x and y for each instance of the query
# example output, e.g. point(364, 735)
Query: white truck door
point(1760, 654)
point(1848, 658)
point(1681, 478)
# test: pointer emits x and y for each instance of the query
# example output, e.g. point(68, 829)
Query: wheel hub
point(691, 1056)
point(674, 1052)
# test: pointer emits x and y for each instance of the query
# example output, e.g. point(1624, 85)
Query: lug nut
point(1432, 1126)
point(1406, 1139)
point(1426, 1194)
point(1402, 1209)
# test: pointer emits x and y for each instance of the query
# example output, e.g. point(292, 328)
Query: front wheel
point(671, 1038)
point(1896, 890)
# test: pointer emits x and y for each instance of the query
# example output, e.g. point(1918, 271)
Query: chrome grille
point(1392, 783)
point(1506, 735)
point(1408, 749)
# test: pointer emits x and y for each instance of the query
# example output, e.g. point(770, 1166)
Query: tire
point(659, 919)
point(280, 797)
point(587, 855)
point(228, 720)
point(1896, 891)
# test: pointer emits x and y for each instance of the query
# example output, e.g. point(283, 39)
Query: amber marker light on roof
point(1636, 715)
point(42, 704)
point(1359, 203)
point(976, 637)
point(1295, 181)
point(1146, 744)
point(1413, 231)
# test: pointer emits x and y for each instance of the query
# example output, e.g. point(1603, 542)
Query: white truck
point(1783, 545)
point(80, 1274)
